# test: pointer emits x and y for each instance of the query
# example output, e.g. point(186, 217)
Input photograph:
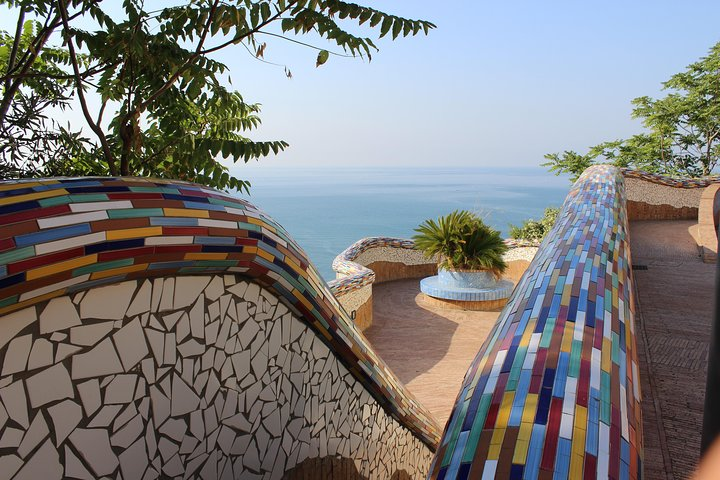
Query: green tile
point(17, 254)
point(99, 267)
point(135, 212)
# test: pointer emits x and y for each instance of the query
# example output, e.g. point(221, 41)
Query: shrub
point(535, 231)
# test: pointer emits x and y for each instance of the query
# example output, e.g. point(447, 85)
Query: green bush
point(463, 242)
point(533, 230)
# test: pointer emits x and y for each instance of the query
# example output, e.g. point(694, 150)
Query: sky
point(495, 84)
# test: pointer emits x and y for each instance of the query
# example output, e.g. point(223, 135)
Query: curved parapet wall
point(658, 197)
point(374, 260)
point(79, 323)
point(708, 222)
point(554, 391)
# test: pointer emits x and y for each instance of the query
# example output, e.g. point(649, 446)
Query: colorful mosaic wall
point(669, 181)
point(554, 390)
point(61, 236)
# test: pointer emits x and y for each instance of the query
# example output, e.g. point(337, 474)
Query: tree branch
point(81, 95)
point(16, 44)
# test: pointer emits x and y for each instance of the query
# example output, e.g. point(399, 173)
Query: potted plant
point(470, 252)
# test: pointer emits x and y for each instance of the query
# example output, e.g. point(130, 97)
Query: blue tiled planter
point(466, 278)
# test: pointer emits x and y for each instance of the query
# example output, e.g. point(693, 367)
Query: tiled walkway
point(430, 349)
point(674, 315)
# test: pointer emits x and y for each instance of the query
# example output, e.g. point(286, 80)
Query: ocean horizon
point(327, 209)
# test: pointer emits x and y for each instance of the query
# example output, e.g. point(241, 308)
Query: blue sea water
point(326, 210)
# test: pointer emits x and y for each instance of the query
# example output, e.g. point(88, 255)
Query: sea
point(327, 209)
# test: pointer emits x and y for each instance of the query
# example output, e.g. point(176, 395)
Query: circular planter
point(471, 289)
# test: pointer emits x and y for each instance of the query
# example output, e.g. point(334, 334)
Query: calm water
point(327, 210)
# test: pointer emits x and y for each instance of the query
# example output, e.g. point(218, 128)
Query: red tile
point(42, 260)
point(128, 253)
point(32, 214)
point(185, 231)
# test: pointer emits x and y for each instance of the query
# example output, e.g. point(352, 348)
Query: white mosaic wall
point(638, 190)
point(406, 256)
point(205, 377)
point(354, 299)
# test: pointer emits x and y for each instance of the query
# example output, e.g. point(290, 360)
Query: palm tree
point(463, 242)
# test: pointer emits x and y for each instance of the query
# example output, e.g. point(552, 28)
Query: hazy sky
point(496, 84)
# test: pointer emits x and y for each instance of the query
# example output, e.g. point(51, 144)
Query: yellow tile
point(606, 356)
point(295, 267)
point(31, 301)
point(266, 255)
point(579, 427)
point(496, 443)
point(133, 233)
point(61, 267)
point(520, 453)
point(255, 221)
point(530, 409)
point(302, 299)
point(118, 271)
point(505, 408)
point(576, 466)
point(33, 196)
point(205, 256)
point(186, 212)
point(567, 338)
point(15, 185)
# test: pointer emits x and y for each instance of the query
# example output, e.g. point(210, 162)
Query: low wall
point(374, 260)
point(657, 197)
point(708, 221)
point(554, 390)
point(152, 328)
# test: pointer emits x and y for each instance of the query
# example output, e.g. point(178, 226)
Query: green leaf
point(322, 58)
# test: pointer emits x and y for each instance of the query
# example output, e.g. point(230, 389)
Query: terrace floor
point(673, 318)
point(430, 348)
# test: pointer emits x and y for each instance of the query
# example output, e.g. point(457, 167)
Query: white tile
point(41, 354)
point(59, 314)
point(130, 344)
point(130, 432)
point(187, 289)
point(170, 240)
point(108, 302)
point(134, 460)
point(11, 438)
point(141, 302)
point(215, 289)
point(120, 390)
point(13, 323)
point(67, 243)
point(49, 385)
point(37, 432)
point(74, 467)
point(45, 464)
point(54, 287)
point(156, 340)
point(90, 334)
point(184, 399)
point(94, 446)
point(17, 354)
point(64, 350)
point(9, 465)
point(101, 360)
point(93, 206)
point(65, 416)
point(90, 396)
point(71, 219)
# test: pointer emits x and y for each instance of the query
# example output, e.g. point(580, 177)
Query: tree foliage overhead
point(147, 83)
point(683, 129)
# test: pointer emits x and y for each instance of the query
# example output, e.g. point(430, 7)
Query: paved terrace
point(431, 348)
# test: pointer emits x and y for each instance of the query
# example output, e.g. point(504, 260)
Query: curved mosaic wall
point(60, 237)
point(193, 376)
point(656, 197)
point(554, 391)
